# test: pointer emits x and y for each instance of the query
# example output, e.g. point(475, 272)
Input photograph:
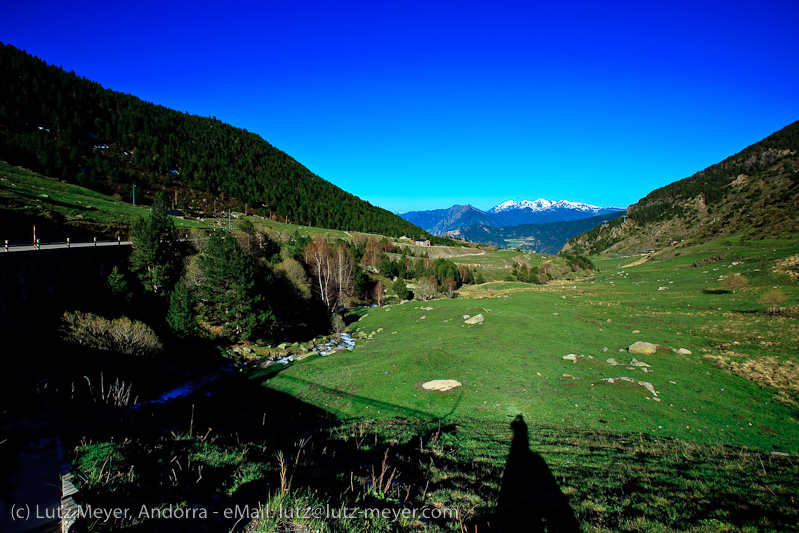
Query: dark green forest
point(71, 128)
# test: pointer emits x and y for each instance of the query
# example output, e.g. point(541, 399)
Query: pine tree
point(180, 315)
point(153, 258)
point(401, 289)
point(227, 293)
point(118, 286)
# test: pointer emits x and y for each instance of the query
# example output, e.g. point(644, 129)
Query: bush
point(773, 298)
point(401, 289)
point(735, 282)
point(121, 335)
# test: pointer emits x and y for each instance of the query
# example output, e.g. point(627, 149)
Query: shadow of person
point(530, 499)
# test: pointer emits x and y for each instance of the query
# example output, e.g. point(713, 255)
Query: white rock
point(442, 385)
point(476, 319)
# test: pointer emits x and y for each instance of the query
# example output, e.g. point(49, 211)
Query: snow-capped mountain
point(512, 213)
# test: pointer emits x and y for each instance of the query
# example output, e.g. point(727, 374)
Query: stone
point(476, 319)
point(635, 331)
point(442, 385)
point(465, 317)
point(648, 386)
point(642, 348)
point(612, 361)
point(684, 351)
point(636, 362)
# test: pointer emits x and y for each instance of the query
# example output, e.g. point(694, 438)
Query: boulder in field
point(642, 348)
point(476, 319)
point(442, 385)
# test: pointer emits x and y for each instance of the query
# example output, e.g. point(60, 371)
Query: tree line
point(250, 285)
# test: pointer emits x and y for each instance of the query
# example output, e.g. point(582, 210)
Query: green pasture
point(513, 363)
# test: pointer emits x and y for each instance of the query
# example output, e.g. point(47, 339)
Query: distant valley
point(541, 225)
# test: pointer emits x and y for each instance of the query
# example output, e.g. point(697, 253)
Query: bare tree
point(320, 260)
point(450, 285)
point(343, 273)
point(425, 288)
point(378, 293)
point(373, 253)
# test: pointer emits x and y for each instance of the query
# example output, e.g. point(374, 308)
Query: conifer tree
point(180, 315)
point(153, 258)
point(227, 293)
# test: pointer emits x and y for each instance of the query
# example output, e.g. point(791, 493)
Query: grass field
point(23, 192)
point(690, 443)
point(513, 362)
point(703, 454)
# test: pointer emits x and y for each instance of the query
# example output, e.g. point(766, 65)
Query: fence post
point(6, 245)
point(67, 242)
point(119, 241)
point(37, 245)
point(95, 241)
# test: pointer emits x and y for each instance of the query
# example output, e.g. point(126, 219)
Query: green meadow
point(513, 362)
point(23, 192)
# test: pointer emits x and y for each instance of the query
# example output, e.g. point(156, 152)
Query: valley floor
point(557, 425)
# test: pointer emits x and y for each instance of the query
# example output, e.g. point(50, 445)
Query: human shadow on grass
point(530, 499)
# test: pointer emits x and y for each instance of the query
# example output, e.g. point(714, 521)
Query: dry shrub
point(118, 335)
point(782, 374)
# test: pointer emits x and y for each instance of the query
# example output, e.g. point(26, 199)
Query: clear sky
point(421, 105)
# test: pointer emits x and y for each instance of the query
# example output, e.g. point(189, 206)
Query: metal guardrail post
point(68, 242)
point(95, 241)
point(37, 245)
point(119, 241)
point(6, 245)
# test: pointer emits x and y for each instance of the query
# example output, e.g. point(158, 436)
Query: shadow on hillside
point(530, 499)
point(716, 291)
point(367, 407)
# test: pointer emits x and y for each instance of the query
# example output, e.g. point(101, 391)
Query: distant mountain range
point(541, 211)
point(510, 213)
point(546, 238)
point(541, 225)
point(441, 221)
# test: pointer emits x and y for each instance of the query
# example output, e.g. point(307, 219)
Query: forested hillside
point(754, 193)
point(71, 128)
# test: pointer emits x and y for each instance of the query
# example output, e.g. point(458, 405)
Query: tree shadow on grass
point(530, 499)
point(716, 291)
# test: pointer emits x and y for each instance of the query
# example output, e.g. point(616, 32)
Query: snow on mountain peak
point(543, 204)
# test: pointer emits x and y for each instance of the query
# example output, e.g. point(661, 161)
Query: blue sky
point(421, 105)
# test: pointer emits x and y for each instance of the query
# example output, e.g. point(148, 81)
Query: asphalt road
point(60, 246)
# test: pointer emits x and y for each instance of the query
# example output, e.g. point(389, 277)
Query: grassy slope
point(25, 192)
point(607, 449)
point(528, 330)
